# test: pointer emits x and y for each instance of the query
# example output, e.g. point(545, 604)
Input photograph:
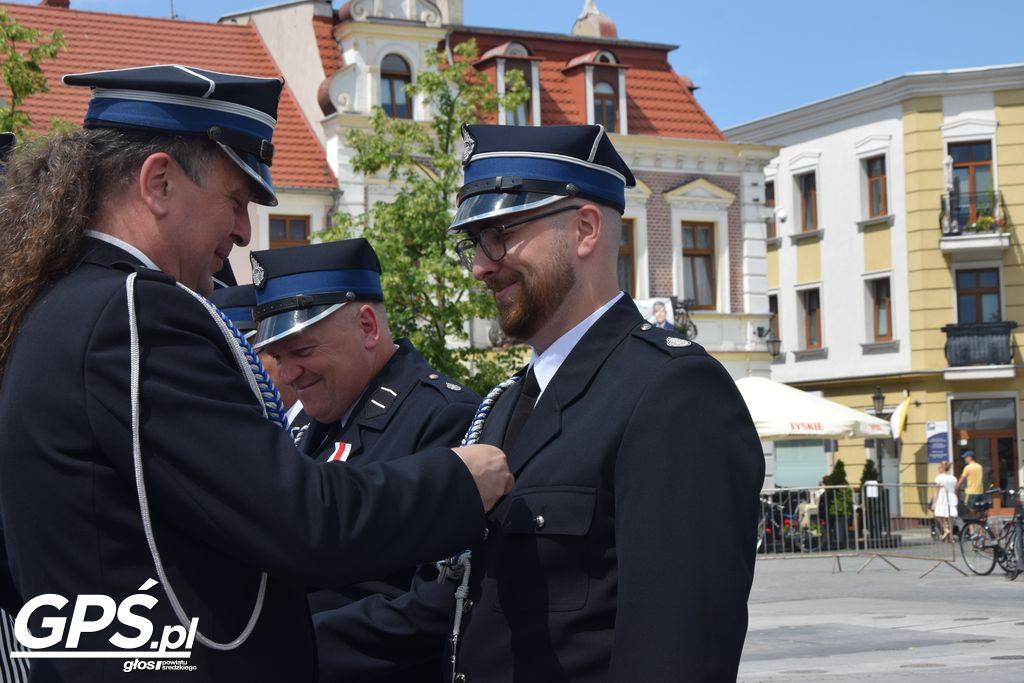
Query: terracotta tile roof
point(330, 54)
point(97, 41)
point(658, 103)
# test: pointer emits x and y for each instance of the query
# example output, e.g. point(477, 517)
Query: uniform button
point(646, 326)
point(487, 532)
point(467, 606)
point(433, 375)
point(538, 521)
point(460, 678)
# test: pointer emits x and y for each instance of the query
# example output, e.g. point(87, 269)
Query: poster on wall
point(937, 434)
point(658, 312)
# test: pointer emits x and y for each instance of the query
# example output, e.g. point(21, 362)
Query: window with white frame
point(880, 295)
point(699, 264)
point(523, 113)
point(877, 195)
point(807, 191)
point(606, 92)
point(395, 75)
point(810, 304)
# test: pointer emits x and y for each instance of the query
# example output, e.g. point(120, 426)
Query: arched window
point(394, 76)
point(520, 116)
point(606, 103)
point(605, 57)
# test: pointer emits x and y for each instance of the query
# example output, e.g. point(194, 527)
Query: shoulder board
point(668, 342)
point(453, 391)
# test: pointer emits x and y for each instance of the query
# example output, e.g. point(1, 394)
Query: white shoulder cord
point(140, 484)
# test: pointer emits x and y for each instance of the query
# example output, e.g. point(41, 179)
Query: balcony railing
point(973, 212)
point(979, 343)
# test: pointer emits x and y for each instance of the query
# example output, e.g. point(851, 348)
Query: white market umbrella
point(783, 412)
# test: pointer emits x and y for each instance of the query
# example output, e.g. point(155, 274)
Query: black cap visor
point(258, 172)
point(281, 325)
point(481, 207)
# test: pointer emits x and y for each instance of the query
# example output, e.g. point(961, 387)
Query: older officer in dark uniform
point(321, 317)
point(320, 314)
point(624, 553)
point(138, 459)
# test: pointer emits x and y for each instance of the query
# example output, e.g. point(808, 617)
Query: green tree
point(870, 473)
point(840, 500)
point(22, 52)
point(430, 295)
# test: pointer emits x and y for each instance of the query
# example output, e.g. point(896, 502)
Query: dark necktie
point(524, 406)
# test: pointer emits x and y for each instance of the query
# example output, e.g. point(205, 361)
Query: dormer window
point(606, 101)
point(608, 83)
point(511, 57)
point(395, 74)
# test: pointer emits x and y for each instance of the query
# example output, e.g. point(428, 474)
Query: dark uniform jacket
point(228, 492)
point(406, 408)
point(623, 553)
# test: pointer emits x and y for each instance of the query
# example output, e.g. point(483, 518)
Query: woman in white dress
point(944, 500)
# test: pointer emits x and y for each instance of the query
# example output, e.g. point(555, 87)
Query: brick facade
point(659, 233)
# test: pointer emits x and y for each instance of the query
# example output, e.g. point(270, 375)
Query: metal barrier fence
point(883, 520)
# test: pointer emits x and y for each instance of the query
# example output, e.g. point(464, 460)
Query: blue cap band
point(238, 315)
point(591, 182)
point(171, 117)
point(364, 283)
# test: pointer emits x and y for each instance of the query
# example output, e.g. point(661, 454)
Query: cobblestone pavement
point(810, 622)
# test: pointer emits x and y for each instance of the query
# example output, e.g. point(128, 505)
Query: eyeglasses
point(492, 238)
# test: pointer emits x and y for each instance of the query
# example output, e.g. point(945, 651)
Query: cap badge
point(258, 274)
point(469, 146)
point(677, 342)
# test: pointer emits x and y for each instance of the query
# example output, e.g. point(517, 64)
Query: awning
point(782, 412)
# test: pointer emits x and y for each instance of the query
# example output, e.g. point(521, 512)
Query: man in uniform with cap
point(321, 318)
point(139, 462)
point(604, 564)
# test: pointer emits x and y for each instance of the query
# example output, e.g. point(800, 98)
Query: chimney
point(59, 4)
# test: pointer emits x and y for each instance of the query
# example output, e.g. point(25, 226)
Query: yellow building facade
point(908, 278)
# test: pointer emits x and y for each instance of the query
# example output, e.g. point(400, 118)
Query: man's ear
point(157, 182)
point(589, 227)
point(369, 325)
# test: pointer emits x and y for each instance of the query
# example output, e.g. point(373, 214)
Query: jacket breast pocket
point(542, 561)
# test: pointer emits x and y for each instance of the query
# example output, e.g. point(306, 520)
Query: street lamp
point(878, 400)
point(774, 345)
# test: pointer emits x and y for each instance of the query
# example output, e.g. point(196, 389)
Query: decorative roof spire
point(594, 24)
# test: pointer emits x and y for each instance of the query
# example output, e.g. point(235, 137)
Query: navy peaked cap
point(511, 169)
point(237, 303)
point(237, 112)
point(298, 286)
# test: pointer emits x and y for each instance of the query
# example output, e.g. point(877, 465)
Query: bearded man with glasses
point(621, 436)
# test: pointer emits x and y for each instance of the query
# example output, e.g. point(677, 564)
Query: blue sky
point(750, 59)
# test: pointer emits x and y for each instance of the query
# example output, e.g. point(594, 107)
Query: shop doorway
point(988, 427)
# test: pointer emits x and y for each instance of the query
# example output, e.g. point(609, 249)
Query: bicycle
point(683, 324)
point(1011, 540)
point(776, 529)
point(978, 543)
